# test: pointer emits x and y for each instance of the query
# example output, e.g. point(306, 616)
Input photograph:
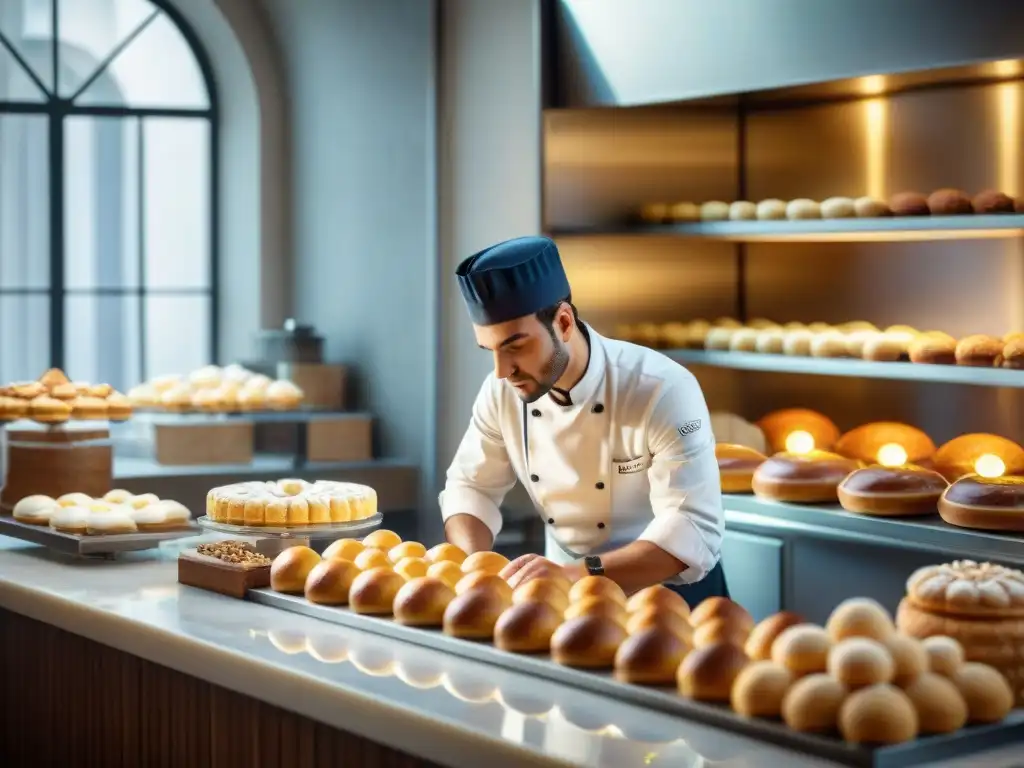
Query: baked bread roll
point(860, 661)
point(736, 465)
point(909, 658)
point(945, 655)
point(329, 582)
point(802, 208)
point(838, 208)
point(810, 478)
point(985, 503)
point(661, 597)
point(985, 691)
point(473, 614)
point(870, 208)
point(887, 347)
point(797, 342)
point(708, 673)
point(980, 351)
point(771, 210)
point(684, 212)
point(719, 339)
point(422, 602)
point(714, 210)
point(859, 617)
point(410, 568)
point(597, 586)
point(742, 210)
point(596, 606)
point(878, 714)
point(483, 578)
point(869, 443)
point(554, 592)
point(489, 562)
point(779, 426)
point(722, 608)
point(829, 344)
point(949, 202)
point(650, 657)
point(963, 456)
point(759, 643)
point(447, 571)
point(892, 491)
point(760, 688)
point(527, 627)
point(373, 592)
point(1013, 354)
point(992, 201)
point(696, 332)
point(407, 549)
point(933, 349)
point(855, 341)
point(939, 705)
point(343, 549)
point(587, 642)
point(371, 558)
point(290, 569)
point(653, 616)
point(802, 649)
point(714, 631)
point(770, 341)
point(744, 340)
point(382, 539)
point(812, 703)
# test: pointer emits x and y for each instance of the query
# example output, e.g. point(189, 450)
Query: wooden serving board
point(214, 575)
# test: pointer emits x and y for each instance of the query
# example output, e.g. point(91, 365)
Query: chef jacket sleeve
point(686, 489)
point(481, 474)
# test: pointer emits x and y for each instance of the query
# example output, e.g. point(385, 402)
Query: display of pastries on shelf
point(857, 676)
point(217, 390)
point(941, 202)
point(857, 339)
point(117, 512)
point(290, 502)
point(55, 399)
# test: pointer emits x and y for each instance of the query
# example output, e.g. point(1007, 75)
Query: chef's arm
point(479, 477)
point(635, 566)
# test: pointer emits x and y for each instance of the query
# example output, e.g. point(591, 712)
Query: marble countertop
point(427, 703)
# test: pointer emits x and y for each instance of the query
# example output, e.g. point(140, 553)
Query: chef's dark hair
point(546, 316)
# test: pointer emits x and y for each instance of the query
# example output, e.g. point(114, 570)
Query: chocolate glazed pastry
point(909, 204)
point(949, 202)
point(992, 201)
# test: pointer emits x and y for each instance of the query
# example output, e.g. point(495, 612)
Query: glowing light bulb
point(892, 455)
point(989, 465)
point(799, 442)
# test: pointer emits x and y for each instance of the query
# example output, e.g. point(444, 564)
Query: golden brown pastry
point(714, 631)
point(290, 569)
point(329, 582)
point(760, 688)
point(447, 571)
point(933, 349)
point(372, 558)
point(736, 465)
point(373, 592)
point(859, 617)
point(719, 338)
point(945, 655)
point(543, 590)
point(871, 443)
point(770, 341)
point(856, 340)
point(988, 696)
point(742, 210)
point(940, 706)
point(650, 657)
point(802, 649)
point(1013, 353)
point(829, 344)
point(660, 597)
point(443, 552)
point(588, 642)
point(744, 340)
point(909, 204)
point(980, 351)
point(654, 213)
point(759, 643)
point(422, 602)
point(697, 331)
point(838, 208)
point(54, 377)
point(810, 478)
point(878, 714)
point(477, 578)
point(28, 390)
point(860, 661)
point(892, 491)
point(771, 210)
point(909, 658)
point(708, 673)
point(870, 208)
point(489, 562)
point(473, 614)
point(652, 616)
point(410, 568)
point(887, 347)
point(88, 408)
point(406, 549)
point(964, 456)
point(49, 410)
point(721, 608)
point(597, 586)
point(382, 539)
point(64, 391)
point(684, 212)
point(596, 606)
point(812, 703)
point(343, 549)
point(985, 503)
point(803, 208)
point(797, 342)
point(13, 408)
point(527, 627)
point(779, 426)
point(949, 202)
point(992, 201)
point(714, 210)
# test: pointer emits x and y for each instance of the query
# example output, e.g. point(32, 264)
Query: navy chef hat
point(512, 279)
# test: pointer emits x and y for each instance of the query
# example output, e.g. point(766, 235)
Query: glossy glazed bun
point(373, 591)
point(939, 705)
point(343, 549)
point(422, 602)
point(759, 643)
point(988, 696)
point(551, 591)
point(760, 689)
point(290, 569)
point(979, 351)
point(489, 562)
point(658, 596)
point(985, 503)
point(945, 655)
point(860, 661)
point(589, 642)
point(330, 581)
point(866, 441)
point(407, 549)
point(860, 617)
point(382, 539)
point(596, 606)
point(445, 552)
point(447, 571)
point(527, 627)
point(650, 657)
point(933, 349)
point(736, 465)
point(410, 568)
point(812, 704)
point(721, 608)
point(371, 557)
point(708, 673)
point(714, 631)
point(652, 616)
point(992, 201)
point(779, 425)
point(878, 714)
point(597, 586)
point(483, 578)
point(956, 458)
point(473, 614)
point(802, 478)
point(892, 491)
point(802, 649)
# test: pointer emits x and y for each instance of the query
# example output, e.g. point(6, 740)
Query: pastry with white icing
point(35, 510)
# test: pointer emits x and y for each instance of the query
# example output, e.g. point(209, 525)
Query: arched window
point(108, 191)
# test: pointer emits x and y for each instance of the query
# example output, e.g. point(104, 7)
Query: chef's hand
point(527, 567)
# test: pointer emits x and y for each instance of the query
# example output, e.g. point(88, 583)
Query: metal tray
point(90, 546)
point(923, 751)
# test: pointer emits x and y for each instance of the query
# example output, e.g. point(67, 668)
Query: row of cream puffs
point(54, 399)
point(255, 393)
point(119, 511)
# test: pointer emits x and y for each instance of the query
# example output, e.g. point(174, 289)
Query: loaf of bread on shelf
point(934, 348)
point(949, 202)
point(802, 649)
point(909, 658)
point(330, 581)
point(980, 351)
point(589, 642)
point(527, 627)
point(373, 592)
point(992, 201)
point(743, 340)
point(650, 656)
point(888, 346)
point(474, 613)
point(422, 602)
point(858, 662)
point(805, 478)
point(770, 341)
point(979, 453)
point(892, 491)
point(797, 342)
point(736, 465)
point(909, 204)
point(661, 597)
point(488, 562)
point(684, 212)
point(654, 213)
point(597, 586)
point(985, 503)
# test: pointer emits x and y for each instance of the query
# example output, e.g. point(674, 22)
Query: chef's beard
point(550, 373)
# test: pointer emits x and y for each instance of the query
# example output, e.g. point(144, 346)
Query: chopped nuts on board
point(233, 552)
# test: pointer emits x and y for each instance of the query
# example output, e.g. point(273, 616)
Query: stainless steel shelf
point(821, 366)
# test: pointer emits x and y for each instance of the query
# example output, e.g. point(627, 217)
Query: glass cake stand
point(272, 540)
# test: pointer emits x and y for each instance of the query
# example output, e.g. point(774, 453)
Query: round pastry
point(743, 340)
point(110, 522)
point(13, 408)
point(966, 588)
point(410, 568)
point(650, 657)
point(870, 208)
point(597, 586)
point(736, 465)
point(854, 326)
point(892, 491)
point(909, 204)
point(35, 510)
point(829, 344)
point(708, 673)
point(489, 562)
point(683, 212)
point(674, 335)
point(483, 578)
point(118, 496)
point(596, 605)
point(742, 210)
point(945, 655)
point(933, 349)
point(980, 351)
point(719, 338)
point(648, 334)
point(1013, 354)
point(771, 210)
point(878, 714)
point(654, 213)
point(802, 478)
point(343, 549)
point(290, 569)
point(421, 602)
point(760, 689)
point(527, 627)
point(909, 658)
point(330, 581)
point(887, 347)
point(66, 391)
point(49, 410)
point(802, 208)
point(473, 614)
point(372, 558)
point(985, 503)
point(812, 704)
point(856, 341)
point(992, 201)
point(554, 592)
point(714, 210)
point(978, 453)
point(89, 408)
point(797, 342)
point(445, 551)
point(838, 208)
point(761, 638)
point(696, 332)
point(872, 443)
point(949, 202)
point(802, 649)
point(859, 617)
point(74, 500)
point(382, 539)
point(163, 515)
point(373, 592)
point(143, 500)
point(770, 341)
point(406, 549)
point(779, 428)
point(988, 696)
point(860, 661)
point(447, 571)
point(658, 596)
point(285, 503)
point(721, 608)
point(939, 705)
point(653, 616)
point(714, 631)
point(587, 642)
point(283, 395)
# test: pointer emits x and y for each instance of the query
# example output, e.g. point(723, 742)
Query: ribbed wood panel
point(70, 701)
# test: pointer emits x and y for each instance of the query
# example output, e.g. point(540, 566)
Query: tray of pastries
point(213, 389)
point(856, 690)
point(56, 399)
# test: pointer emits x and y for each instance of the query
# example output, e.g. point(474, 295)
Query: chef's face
point(529, 355)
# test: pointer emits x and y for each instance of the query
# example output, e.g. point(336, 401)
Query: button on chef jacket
point(632, 457)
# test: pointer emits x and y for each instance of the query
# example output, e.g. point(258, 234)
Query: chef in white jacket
point(613, 441)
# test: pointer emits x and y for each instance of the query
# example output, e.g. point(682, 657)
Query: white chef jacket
point(633, 457)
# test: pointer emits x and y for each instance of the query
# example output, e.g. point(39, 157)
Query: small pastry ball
point(330, 581)
point(290, 569)
point(406, 549)
point(684, 211)
point(715, 631)
point(597, 586)
point(721, 608)
point(949, 202)
point(869, 208)
point(550, 591)
point(714, 210)
point(422, 602)
point(829, 344)
point(770, 341)
point(444, 552)
point(382, 539)
point(988, 696)
point(411, 568)
point(650, 657)
point(878, 714)
point(372, 558)
point(447, 571)
point(744, 340)
point(527, 627)
point(838, 208)
point(992, 201)
point(482, 578)
point(473, 614)
point(885, 347)
point(587, 642)
point(812, 704)
point(797, 343)
point(760, 689)
point(490, 562)
point(742, 210)
point(802, 649)
point(373, 592)
point(771, 210)
point(343, 549)
point(910, 660)
point(708, 673)
point(719, 338)
point(802, 208)
point(596, 606)
point(652, 616)
point(759, 643)
point(945, 655)
point(909, 204)
point(860, 661)
point(940, 707)
point(660, 597)
point(860, 617)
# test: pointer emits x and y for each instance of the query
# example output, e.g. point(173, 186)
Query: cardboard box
point(340, 437)
point(230, 442)
point(322, 383)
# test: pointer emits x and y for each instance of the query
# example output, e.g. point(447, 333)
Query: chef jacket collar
point(587, 387)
